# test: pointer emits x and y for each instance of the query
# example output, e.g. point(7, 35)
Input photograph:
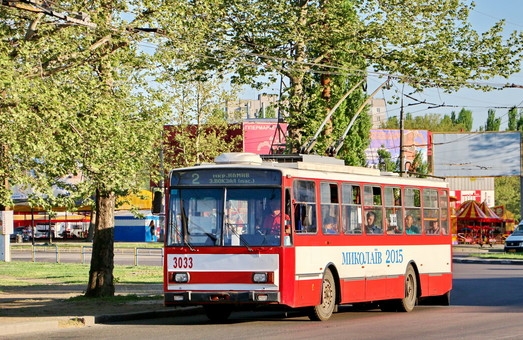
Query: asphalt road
point(487, 302)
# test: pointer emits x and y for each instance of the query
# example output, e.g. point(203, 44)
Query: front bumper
point(188, 298)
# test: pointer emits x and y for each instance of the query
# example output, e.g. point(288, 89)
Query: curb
point(33, 326)
point(183, 311)
point(480, 260)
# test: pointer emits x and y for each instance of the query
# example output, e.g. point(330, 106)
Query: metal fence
point(136, 256)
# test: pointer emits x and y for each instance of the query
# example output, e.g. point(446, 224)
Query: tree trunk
point(326, 95)
point(101, 280)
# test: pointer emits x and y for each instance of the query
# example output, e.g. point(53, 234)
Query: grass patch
point(138, 274)
point(38, 273)
point(501, 256)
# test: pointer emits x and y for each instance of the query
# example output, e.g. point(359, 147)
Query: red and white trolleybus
point(309, 233)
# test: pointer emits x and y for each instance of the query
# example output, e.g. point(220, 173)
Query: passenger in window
point(392, 229)
point(410, 228)
point(330, 226)
point(271, 224)
point(371, 227)
point(434, 228)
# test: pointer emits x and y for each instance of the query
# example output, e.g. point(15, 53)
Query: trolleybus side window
point(351, 208)
point(305, 210)
point(329, 208)
point(431, 223)
point(444, 209)
point(393, 211)
point(373, 209)
point(288, 213)
point(412, 211)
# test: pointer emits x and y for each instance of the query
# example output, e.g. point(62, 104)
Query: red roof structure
point(489, 212)
point(471, 210)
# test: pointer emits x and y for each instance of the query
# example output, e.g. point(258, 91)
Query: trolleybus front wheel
point(324, 310)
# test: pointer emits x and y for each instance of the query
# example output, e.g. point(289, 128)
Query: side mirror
point(157, 202)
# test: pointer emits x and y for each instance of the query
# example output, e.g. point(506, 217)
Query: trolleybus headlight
point(259, 277)
point(180, 277)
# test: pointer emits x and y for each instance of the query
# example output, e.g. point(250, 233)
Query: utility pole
point(6, 218)
point(402, 128)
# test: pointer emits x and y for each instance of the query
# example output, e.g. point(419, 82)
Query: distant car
point(514, 243)
point(20, 231)
point(41, 234)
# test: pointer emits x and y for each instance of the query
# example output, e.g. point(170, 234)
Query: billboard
point(259, 136)
point(413, 141)
point(487, 154)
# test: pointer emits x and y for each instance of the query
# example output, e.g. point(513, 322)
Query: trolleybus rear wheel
point(324, 310)
point(407, 303)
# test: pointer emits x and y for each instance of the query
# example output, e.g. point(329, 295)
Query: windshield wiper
point(185, 230)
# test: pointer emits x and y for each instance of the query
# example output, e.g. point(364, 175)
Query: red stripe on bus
point(221, 277)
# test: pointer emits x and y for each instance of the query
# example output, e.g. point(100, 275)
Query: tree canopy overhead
point(423, 43)
point(74, 101)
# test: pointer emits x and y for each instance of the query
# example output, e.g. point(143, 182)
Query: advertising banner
point(259, 137)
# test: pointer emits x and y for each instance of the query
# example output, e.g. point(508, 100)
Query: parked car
point(25, 235)
point(514, 243)
point(42, 232)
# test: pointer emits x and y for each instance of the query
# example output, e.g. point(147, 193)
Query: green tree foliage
point(507, 192)
point(270, 112)
point(432, 122)
point(515, 120)
point(70, 106)
point(330, 141)
point(425, 44)
point(418, 166)
point(465, 119)
point(448, 124)
point(493, 123)
point(429, 122)
point(385, 160)
point(512, 119)
point(199, 129)
point(392, 122)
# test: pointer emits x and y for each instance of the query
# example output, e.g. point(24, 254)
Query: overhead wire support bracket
point(336, 146)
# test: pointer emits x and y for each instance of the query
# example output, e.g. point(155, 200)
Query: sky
point(485, 14)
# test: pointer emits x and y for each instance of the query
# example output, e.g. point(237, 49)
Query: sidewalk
point(28, 309)
point(462, 254)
